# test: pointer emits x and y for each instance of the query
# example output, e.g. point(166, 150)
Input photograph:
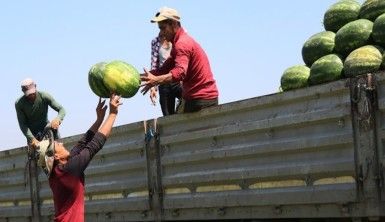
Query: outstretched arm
point(82, 156)
point(106, 127)
point(149, 80)
point(100, 113)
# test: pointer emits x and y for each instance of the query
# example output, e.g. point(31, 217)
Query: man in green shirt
point(32, 112)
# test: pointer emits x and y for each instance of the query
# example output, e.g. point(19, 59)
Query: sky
point(249, 44)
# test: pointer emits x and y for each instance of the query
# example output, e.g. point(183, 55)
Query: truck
point(310, 154)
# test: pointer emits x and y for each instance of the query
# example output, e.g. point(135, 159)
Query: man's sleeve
point(82, 142)
point(166, 67)
point(56, 106)
point(181, 64)
point(22, 119)
point(78, 163)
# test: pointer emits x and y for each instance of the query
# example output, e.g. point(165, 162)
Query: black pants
point(168, 93)
point(198, 104)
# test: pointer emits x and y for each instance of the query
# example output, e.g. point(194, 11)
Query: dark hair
point(171, 22)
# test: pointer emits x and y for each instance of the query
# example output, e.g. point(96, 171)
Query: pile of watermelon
point(352, 44)
point(116, 77)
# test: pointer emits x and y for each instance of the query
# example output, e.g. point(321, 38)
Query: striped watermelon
point(353, 35)
point(371, 9)
point(318, 45)
point(341, 13)
point(325, 69)
point(379, 30)
point(95, 80)
point(121, 78)
point(363, 60)
point(295, 77)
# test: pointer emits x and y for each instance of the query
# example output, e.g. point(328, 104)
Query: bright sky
point(249, 44)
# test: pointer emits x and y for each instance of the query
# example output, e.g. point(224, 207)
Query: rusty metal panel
point(240, 153)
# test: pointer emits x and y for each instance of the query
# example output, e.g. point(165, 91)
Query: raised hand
point(148, 81)
point(114, 103)
point(101, 109)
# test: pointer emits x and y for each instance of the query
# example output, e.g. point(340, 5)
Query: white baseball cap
point(166, 13)
point(28, 86)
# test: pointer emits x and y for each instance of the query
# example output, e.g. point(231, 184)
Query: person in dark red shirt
point(187, 63)
point(66, 169)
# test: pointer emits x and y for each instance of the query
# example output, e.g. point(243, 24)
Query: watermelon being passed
point(325, 69)
point(379, 30)
point(341, 13)
point(371, 9)
point(352, 36)
point(363, 60)
point(318, 45)
point(295, 77)
point(121, 78)
point(95, 80)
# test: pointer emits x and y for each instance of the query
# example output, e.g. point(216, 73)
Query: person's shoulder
point(184, 42)
point(19, 100)
point(44, 94)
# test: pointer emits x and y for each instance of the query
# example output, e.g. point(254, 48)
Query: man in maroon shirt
point(66, 169)
point(187, 63)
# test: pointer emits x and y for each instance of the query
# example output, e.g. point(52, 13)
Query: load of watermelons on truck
point(352, 44)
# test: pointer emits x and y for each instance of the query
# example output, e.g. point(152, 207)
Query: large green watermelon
point(371, 9)
point(353, 35)
point(363, 60)
point(318, 45)
point(326, 69)
point(379, 30)
point(95, 80)
point(341, 13)
point(122, 78)
point(295, 77)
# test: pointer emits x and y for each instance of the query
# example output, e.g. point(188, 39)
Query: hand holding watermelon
point(114, 103)
point(149, 80)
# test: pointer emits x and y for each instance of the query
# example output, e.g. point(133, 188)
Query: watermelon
point(318, 45)
point(371, 9)
point(295, 77)
point(95, 80)
point(353, 35)
point(121, 78)
point(326, 69)
point(379, 30)
point(363, 60)
point(341, 13)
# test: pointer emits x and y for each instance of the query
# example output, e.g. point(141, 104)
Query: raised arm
point(100, 113)
point(106, 127)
